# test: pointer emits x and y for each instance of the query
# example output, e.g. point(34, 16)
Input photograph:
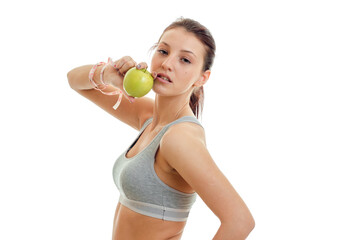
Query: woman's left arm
point(183, 146)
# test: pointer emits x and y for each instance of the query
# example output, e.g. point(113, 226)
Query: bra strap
point(184, 119)
point(146, 123)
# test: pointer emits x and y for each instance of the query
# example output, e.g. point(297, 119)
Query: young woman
point(168, 165)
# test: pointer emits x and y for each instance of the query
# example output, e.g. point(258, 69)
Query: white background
point(281, 114)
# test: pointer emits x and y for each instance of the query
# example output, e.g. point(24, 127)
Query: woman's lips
point(162, 80)
point(164, 75)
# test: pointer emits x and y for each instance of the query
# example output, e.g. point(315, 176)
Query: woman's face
point(178, 61)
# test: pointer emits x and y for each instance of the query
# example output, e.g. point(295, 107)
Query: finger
point(126, 66)
point(142, 65)
point(131, 99)
point(154, 74)
point(119, 63)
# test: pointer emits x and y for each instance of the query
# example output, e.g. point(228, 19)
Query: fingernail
point(138, 66)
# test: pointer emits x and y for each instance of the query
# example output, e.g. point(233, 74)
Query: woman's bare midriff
point(130, 225)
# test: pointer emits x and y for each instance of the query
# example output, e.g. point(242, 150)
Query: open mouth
point(163, 78)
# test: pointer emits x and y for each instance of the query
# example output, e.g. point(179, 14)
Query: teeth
point(165, 78)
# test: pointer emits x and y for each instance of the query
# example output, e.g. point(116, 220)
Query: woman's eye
point(162, 52)
point(185, 60)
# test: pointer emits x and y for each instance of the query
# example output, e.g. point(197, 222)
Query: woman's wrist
point(102, 74)
point(108, 75)
point(111, 76)
point(94, 76)
point(102, 86)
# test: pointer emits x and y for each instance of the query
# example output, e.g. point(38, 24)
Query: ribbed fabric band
point(151, 210)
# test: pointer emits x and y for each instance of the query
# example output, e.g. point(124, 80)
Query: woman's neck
point(168, 109)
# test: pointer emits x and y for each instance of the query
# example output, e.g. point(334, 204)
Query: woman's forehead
point(180, 39)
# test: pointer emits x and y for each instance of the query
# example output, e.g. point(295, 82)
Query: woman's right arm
point(134, 114)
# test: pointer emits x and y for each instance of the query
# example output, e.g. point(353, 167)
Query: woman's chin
point(159, 89)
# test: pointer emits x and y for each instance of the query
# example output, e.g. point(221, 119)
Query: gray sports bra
point(142, 190)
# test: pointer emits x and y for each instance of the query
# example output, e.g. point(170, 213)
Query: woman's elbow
point(251, 225)
point(245, 227)
point(70, 78)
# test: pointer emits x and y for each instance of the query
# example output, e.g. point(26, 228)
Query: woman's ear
point(203, 78)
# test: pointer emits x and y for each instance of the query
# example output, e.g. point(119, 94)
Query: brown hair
point(203, 34)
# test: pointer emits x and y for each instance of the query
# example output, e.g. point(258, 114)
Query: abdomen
point(131, 225)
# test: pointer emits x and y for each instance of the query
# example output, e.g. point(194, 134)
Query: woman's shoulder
point(188, 131)
point(182, 141)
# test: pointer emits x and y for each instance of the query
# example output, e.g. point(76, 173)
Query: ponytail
point(197, 101)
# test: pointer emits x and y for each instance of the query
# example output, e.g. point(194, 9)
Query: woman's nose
point(168, 63)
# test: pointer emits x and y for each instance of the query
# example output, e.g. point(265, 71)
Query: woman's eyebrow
point(188, 51)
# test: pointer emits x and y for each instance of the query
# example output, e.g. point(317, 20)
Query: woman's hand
point(115, 75)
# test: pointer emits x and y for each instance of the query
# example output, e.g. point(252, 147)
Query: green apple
point(138, 82)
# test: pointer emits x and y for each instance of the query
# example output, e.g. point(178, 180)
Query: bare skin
point(132, 225)
point(177, 70)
